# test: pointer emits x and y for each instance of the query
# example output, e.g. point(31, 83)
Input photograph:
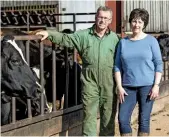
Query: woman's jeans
point(140, 95)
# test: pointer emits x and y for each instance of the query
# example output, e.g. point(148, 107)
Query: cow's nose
point(29, 90)
point(26, 91)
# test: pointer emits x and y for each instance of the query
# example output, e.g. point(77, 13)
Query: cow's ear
point(4, 49)
point(5, 39)
point(3, 45)
point(8, 37)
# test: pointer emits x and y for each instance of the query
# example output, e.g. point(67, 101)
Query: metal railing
point(165, 71)
point(28, 38)
point(38, 20)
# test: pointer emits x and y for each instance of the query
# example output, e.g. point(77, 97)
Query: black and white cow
point(61, 69)
point(17, 80)
point(164, 46)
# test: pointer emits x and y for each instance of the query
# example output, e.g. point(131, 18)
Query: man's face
point(103, 19)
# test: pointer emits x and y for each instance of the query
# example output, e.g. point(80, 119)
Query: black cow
point(62, 71)
point(17, 80)
point(164, 46)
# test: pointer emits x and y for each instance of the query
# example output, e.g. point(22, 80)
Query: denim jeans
point(140, 95)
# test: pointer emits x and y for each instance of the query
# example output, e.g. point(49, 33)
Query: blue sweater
point(138, 61)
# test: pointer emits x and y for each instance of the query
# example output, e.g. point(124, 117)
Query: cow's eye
point(16, 62)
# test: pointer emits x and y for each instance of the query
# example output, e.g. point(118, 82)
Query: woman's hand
point(121, 94)
point(154, 92)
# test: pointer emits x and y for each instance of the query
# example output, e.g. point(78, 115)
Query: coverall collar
point(93, 30)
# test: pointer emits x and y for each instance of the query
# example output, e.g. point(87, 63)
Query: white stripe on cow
point(37, 71)
point(13, 43)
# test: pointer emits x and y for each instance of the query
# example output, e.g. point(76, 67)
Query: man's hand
point(44, 34)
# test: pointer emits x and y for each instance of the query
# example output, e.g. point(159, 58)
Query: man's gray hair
point(104, 8)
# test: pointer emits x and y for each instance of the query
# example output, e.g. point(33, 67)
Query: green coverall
point(97, 76)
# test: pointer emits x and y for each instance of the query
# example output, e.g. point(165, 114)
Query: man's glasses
point(103, 18)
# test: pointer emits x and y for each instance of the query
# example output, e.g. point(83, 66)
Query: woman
point(138, 71)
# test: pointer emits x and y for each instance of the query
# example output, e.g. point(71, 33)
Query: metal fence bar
point(22, 27)
point(66, 99)
point(29, 108)
point(25, 37)
point(28, 61)
point(165, 74)
point(54, 77)
point(13, 109)
point(42, 76)
point(168, 69)
point(27, 52)
point(75, 62)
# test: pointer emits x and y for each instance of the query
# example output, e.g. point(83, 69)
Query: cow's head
point(164, 46)
point(17, 78)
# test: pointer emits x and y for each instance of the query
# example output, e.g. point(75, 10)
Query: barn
point(41, 14)
point(27, 16)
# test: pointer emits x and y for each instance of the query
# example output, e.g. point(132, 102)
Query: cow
point(62, 77)
point(61, 69)
point(17, 80)
point(163, 41)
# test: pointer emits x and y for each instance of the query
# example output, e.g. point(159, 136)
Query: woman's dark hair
point(140, 13)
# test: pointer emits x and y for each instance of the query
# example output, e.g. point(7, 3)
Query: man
point(96, 46)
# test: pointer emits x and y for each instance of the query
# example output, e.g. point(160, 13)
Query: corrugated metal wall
point(81, 6)
point(26, 3)
point(77, 7)
point(158, 10)
point(14, 13)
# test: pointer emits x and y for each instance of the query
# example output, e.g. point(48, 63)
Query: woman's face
point(137, 25)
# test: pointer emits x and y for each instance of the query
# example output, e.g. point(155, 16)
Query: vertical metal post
point(13, 109)
point(122, 19)
point(28, 61)
point(67, 78)
point(75, 62)
point(168, 69)
point(54, 76)
point(165, 74)
point(27, 52)
point(42, 76)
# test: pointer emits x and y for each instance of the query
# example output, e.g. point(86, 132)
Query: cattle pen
point(67, 120)
point(59, 122)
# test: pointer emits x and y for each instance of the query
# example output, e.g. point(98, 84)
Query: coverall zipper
point(99, 63)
